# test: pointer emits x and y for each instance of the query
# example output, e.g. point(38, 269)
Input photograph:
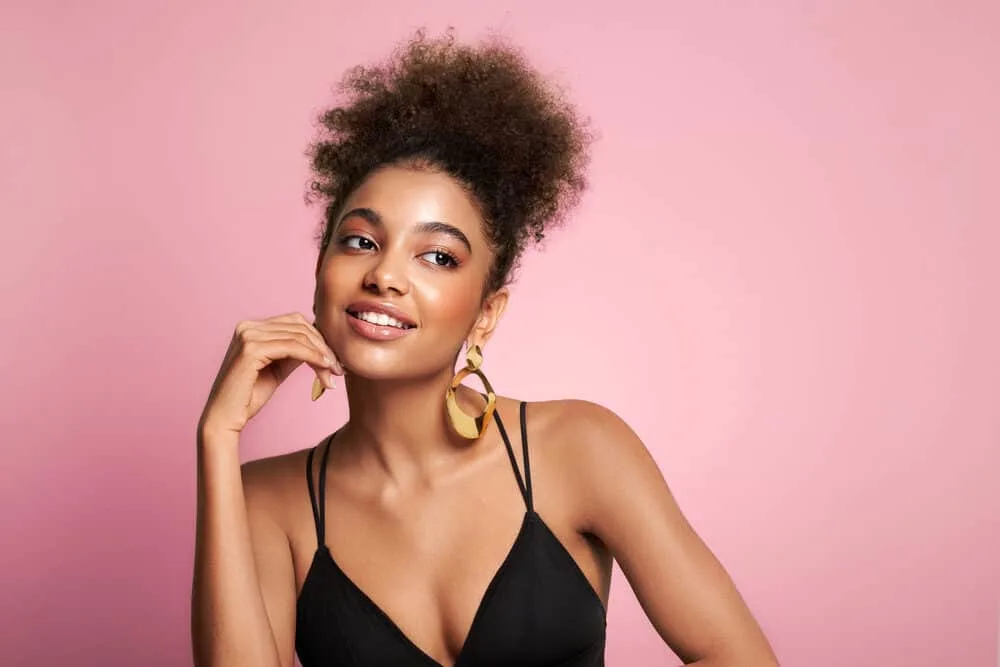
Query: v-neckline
point(484, 600)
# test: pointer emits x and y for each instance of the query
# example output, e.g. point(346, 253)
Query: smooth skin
point(418, 517)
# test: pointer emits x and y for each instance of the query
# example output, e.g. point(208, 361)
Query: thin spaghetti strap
point(321, 525)
point(527, 462)
point(312, 493)
point(525, 493)
point(318, 501)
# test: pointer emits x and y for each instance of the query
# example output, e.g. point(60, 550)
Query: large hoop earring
point(465, 425)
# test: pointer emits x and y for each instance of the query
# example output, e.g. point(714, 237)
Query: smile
point(380, 319)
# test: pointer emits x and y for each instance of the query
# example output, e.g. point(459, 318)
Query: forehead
point(403, 196)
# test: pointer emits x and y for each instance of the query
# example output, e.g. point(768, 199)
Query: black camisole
point(539, 609)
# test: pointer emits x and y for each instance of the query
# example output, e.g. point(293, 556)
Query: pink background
point(784, 277)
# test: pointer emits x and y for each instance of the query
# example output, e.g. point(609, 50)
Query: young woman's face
point(400, 285)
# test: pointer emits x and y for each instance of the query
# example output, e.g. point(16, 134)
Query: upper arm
point(272, 556)
point(684, 590)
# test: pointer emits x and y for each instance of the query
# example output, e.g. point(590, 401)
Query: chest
point(463, 574)
point(538, 608)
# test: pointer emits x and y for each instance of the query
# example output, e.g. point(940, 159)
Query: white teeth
point(381, 319)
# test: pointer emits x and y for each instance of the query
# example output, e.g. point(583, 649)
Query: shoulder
point(597, 454)
point(274, 484)
point(580, 429)
point(273, 471)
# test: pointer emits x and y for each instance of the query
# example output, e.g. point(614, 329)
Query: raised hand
point(261, 355)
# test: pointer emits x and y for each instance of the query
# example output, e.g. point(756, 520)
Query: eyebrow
point(429, 227)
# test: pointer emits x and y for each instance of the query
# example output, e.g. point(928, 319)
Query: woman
point(437, 526)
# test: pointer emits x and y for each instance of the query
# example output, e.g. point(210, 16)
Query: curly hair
point(480, 114)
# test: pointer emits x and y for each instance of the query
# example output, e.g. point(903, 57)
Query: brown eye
point(358, 242)
point(440, 258)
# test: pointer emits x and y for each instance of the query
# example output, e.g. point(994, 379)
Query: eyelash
point(344, 241)
point(451, 263)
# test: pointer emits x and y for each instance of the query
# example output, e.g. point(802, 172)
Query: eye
point(440, 258)
point(357, 242)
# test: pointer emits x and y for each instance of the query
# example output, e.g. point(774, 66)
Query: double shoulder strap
point(318, 500)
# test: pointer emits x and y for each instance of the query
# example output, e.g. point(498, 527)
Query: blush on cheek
point(450, 307)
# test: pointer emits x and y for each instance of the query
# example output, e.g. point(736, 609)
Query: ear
point(489, 316)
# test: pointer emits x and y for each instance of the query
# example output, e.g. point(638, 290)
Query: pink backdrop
point(784, 277)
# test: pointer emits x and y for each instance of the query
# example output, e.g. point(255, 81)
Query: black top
point(539, 610)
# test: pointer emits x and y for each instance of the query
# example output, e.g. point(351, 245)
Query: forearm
point(229, 622)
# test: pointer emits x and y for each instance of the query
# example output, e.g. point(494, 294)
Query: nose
point(388, 274)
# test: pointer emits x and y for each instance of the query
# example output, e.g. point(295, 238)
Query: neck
point(401, 424)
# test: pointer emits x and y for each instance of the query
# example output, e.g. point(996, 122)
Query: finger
point(299, 320)
point(313, 336)
point(263, 351)
point(272, 331)
point(284, 368)
point(326, 371)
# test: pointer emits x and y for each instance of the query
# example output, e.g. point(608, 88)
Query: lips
point(380, 322)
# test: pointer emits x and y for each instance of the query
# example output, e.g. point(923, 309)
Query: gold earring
point(465, 425)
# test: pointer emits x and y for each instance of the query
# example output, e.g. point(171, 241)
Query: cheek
point(331, 281)
point(452, 303)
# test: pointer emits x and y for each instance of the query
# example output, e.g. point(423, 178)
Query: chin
point(387, 364)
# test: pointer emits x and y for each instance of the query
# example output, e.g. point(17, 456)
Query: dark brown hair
point(479, 113)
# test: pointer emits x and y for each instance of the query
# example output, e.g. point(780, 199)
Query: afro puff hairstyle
point(478, 113)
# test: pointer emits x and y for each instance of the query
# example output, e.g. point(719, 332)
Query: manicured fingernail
point(317, 389)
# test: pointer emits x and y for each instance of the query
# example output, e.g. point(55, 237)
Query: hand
point(261, 356)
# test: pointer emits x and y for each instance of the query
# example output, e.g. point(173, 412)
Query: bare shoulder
point(582, 431)
point(594, 455)
point(275, 485)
